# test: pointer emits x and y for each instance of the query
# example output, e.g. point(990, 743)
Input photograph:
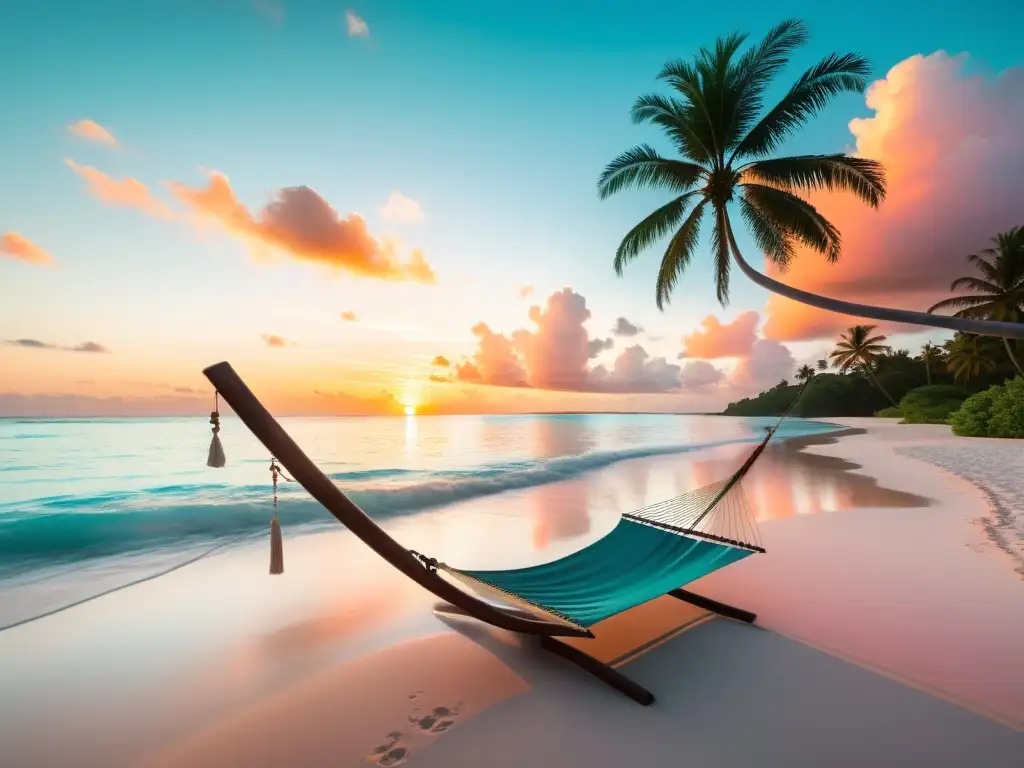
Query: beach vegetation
point(997, 293)
point(995, 412)
point(859, 348)
point(889, 413)
point(932, 403)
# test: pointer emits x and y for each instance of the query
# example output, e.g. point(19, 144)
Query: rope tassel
point(216, 456)
point(276, 541)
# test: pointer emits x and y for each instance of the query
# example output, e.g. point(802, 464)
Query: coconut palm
point(805, 373)
point(725, 148)
point(968, 357)
point(859, 350)
point(823, 365)
point(999, 293)
point(930, 354)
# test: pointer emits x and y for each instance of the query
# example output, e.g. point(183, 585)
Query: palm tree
point(930, 354)
point(712, 121)
point(805, 373)
point(968, 357)
point(999, 292)
point(858, 349)
point(823, 365)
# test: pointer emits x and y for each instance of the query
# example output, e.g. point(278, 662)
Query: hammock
point(651, 552)
point(648, 554)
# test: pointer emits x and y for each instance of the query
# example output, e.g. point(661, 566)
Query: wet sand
point(872, 555)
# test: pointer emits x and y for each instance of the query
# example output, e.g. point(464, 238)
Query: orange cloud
point(93, 131)
point(17, 247)
point(716, 339)
point(273, 340)
point(127, 192)
point(525, 291)
point(302, 224)
point(349, 317)
point(953, 149)
point(441, 362)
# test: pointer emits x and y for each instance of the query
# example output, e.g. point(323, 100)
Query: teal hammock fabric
point(633, 564)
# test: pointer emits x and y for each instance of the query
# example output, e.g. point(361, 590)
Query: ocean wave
point(68, 528)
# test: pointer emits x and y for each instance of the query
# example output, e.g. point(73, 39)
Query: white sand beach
point(891, 618)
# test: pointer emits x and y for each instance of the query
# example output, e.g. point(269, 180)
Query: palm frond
point(976, 285)
point(776, 244)
point(755, 70)
point(864, 177)
point(959, 302)
point(652, 228)
point(642, 166)
point(983, 265)
point(796, 217)
point(677, 255)
point(675, 118)
point(833, 75)
point(720, 248)
point(685, 79)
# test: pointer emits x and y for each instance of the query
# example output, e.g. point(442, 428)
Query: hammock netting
point(648, 554)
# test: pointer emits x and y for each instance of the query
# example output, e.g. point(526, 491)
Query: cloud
point(767, 363)
point(302, 224)
point(350, 317)
point(953, 149)
point(85, 346)
point(525, 291)
point(272, 9)
point(400, 209)
point(715, 339)
point(127, 192)
point(596, 346)
point(696, 374)
point(495, 361)
point(18, 247)
point(356, 25)
point(278, 342)
point(556, 353)
point(441, 362)
point(440, 379)
point(625, 328)
point(635, 371)
point(93, 131)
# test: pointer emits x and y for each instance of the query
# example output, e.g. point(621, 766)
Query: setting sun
point(410, 410)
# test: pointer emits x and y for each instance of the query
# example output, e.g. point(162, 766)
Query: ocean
point(89, 506)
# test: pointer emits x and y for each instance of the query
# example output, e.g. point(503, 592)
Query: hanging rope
point(276, 542)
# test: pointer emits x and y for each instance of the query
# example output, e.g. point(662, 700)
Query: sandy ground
point(890, 626)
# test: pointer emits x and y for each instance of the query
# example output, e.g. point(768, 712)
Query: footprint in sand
point(396, 748)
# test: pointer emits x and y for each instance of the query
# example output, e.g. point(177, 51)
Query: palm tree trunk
point(871, 375)
point(965, 325)
point(928, 373)
point(1013, 359)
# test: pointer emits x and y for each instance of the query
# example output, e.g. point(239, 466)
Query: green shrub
point(889, 413)
point(932, 404)
point(996, 412)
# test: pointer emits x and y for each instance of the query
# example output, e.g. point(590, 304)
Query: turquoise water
point(135, 495)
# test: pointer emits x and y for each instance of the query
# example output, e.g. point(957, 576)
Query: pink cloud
point(18, 247)
point(127, 192)
point(555, 355)
point(767, 363)
point(300, 223)
point(93, 131)
point(953, 149)
point(525, 291)
point(715, 339)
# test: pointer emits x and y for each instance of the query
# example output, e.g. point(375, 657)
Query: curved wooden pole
point(259, 421)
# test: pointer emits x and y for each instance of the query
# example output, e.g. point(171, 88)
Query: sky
point(392, 205)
